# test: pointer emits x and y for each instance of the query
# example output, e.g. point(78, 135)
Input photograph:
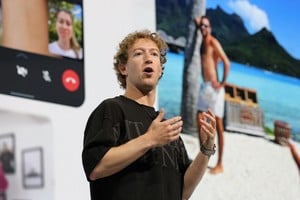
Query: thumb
point(161, 115)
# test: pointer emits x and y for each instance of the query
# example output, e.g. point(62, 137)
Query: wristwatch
point(208, 152)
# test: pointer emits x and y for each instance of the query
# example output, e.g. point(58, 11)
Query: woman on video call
point(66, 45)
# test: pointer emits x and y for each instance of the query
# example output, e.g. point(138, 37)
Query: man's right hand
point(162, 131)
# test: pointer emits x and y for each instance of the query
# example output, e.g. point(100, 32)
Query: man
point(130, 151)
point(211, 94)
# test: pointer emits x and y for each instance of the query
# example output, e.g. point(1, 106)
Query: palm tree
point(192, 71)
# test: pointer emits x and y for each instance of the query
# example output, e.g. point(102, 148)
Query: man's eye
point(137, 53)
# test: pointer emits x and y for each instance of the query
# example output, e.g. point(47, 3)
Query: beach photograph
point(262, 114)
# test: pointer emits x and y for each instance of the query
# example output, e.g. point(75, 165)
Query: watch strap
point(208, 152)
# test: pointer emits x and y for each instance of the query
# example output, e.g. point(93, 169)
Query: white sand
point(255, 168)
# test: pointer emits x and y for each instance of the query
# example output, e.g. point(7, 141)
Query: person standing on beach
point(212, 92)
point(130, 151)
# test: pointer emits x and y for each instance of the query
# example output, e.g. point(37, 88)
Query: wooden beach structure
point(282, 131)
point(242, 111)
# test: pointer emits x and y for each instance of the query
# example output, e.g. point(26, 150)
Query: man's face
point(143, 68)
point(205, 27)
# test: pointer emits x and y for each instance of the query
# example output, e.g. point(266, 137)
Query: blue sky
point(77, 12)
point(278, 16)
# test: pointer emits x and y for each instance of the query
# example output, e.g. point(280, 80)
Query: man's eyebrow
point(143, 49)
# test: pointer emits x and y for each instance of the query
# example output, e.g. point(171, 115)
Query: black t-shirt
point(157, 175)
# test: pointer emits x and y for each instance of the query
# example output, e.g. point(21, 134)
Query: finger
point(177, 125)
point(208, 125)
point(206, 131)
point(174, 137)
point(208, 121)
point(210, 118)
point(176, 132)
point(209, 111)
point(173, 120)
point(200, 116)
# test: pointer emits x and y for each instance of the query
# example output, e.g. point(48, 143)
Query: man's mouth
point(148, 70)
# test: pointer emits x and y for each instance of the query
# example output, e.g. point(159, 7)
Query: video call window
point(42, 53)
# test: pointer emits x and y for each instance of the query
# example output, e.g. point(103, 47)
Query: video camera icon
point(70, 80)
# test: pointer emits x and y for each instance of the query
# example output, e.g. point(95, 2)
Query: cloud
point(253, 16)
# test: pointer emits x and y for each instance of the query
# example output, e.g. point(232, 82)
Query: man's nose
point(148, 58)
point(148, 61)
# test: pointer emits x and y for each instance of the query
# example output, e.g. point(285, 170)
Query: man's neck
point(207, 37)
point(145, 99)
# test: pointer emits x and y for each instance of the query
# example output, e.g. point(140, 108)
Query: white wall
point(106, 23)
point(27, 133)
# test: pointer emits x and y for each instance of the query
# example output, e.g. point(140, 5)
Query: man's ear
point(122, 69)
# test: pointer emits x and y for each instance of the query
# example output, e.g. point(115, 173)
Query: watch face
point(42, 54)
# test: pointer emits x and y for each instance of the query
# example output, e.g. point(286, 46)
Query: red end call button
point(70, 80)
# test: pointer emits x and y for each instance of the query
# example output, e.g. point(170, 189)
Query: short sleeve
point(101, 133)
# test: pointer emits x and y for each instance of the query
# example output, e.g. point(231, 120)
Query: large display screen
point(42, 50)
point(262, 112)
point(264, 56)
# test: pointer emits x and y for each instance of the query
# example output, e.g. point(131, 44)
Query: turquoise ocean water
point(278, 95)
